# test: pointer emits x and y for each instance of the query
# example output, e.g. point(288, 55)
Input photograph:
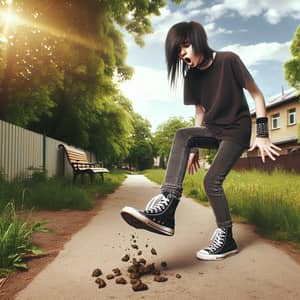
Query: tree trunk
point(7, 76)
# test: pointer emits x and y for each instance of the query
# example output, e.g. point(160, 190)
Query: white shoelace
point(157, 204)
point(218, 238)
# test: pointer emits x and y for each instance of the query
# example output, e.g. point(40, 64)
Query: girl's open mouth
point(187, 60)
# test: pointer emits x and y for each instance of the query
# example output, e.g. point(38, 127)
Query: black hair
point(179, 33)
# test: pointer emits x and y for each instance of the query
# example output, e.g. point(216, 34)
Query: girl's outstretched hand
point(265, 148)
point(193, 163)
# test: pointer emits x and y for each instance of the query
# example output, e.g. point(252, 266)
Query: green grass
point(41, 192)
point(271, 201)
point(16, 235)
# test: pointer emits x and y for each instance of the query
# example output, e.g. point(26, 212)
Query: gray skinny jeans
point(228, 153)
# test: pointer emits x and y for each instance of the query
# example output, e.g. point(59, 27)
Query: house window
point(276, 121)
point(292, 116)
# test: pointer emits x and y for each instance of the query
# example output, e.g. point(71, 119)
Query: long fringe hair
point(178, 34)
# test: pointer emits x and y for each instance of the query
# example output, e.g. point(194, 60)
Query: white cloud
point(194, 12)
point(164, 13)
point(167, 19)
point(194, 4)
point(272, 10)
point(214, 12)
point(211, 30)
point(273, 16)
point(163, 23)
point(254, 54)
point(149, 85)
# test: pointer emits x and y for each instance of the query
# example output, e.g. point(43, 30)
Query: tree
point(58, 42)
point(27, 77)
point(58, 69)
point(142, 150)
point(164, 135)
point(77, 43)
point(292, 67)
point(110, 133)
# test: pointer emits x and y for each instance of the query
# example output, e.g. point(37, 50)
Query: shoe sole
point(216, 256)
point(134, 218)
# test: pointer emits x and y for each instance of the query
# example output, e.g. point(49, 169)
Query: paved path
point(259, 271)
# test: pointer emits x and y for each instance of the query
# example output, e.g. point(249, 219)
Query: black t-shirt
point(219, 89)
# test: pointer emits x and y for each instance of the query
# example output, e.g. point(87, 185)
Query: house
point(283, 112)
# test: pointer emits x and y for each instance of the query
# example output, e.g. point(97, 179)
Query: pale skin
point(265, 146)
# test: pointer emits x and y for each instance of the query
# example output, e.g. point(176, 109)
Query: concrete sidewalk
point(259, 271)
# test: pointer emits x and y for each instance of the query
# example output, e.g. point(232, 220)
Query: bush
point(16, 237)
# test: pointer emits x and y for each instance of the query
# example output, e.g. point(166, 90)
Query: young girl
point(214, 83)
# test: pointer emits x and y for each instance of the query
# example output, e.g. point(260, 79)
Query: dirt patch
point(289, 249)
point(64, 223)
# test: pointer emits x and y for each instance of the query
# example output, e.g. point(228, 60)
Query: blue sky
point(259, 31)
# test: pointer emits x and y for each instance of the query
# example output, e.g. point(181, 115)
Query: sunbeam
point(8, 19)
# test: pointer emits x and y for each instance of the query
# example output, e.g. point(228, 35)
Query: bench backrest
point(74, 155)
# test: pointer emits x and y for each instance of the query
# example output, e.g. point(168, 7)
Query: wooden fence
point(289, 162)
point(22, 151)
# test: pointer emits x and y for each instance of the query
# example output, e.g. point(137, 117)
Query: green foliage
point(210, 154)
point(59, 67)
point(292, 67)
point(164, 135)
point(16, 236)
point(41, 192)
point(142, 150)
point(268, 200)
point(142, 155)
point(110, 131)
point(156, 175)
point(140, 10)
point(112, 181)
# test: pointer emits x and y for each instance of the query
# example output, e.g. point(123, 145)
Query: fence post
point(44, 153)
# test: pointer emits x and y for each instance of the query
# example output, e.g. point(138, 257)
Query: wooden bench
point(80, 164)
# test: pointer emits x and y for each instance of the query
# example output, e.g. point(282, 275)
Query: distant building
point(283, 112)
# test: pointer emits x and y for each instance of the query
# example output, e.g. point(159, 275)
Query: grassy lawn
point(41, 193)
point(271, 201)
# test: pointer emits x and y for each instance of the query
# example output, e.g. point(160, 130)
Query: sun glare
point(9, 18)
point(10, 21)
point(3, 39)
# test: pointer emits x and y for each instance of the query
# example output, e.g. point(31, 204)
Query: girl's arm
point(199, 115)
point(263, 143)
point(258, 98)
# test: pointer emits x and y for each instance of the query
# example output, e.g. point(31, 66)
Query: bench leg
point(74, 177)
point(91, 177)
point(102, 177)
point(82, 178)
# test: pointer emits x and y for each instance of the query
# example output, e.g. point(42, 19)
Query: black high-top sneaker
point(223, 244)
point(157, 217)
